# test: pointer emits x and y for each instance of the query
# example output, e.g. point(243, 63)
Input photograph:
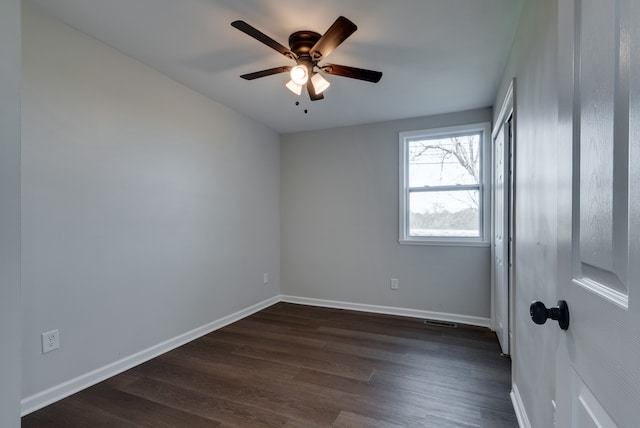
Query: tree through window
point(442, 184)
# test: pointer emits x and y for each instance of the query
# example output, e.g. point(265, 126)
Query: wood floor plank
point(299, 366)
point(364, 398)
point(120, 380)
point(139, 410)
point(240, 387)
point(72, 413)
point(233, 362)
point(377, 340)
point(218, 408)
point(350, 420)
point(439, 391)
point(246, 330)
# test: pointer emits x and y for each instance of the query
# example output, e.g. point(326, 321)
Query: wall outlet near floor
point(50, 341)
point(265, 278)
point(394, 283)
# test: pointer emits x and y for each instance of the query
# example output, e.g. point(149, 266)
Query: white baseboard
point(58, 392)
point(518, 407)
point(65, 389)
point(389, 310)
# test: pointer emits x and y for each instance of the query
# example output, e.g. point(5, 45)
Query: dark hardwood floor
point(301, 366)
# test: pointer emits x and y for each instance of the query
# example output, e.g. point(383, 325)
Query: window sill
point(445, 243)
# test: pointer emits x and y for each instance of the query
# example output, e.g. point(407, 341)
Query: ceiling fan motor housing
point(301, 42)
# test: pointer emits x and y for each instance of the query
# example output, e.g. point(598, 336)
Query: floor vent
point(441, 323)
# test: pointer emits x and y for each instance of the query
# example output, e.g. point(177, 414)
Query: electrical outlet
point(265, 278)
point(394, 283)
point(50, 341)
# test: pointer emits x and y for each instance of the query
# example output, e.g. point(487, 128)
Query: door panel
point(603, 154)
point(598, 374)
point(588, 411)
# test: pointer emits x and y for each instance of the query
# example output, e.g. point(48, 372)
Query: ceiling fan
point(307, 49)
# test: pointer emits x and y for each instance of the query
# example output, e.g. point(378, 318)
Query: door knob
point(540, 313)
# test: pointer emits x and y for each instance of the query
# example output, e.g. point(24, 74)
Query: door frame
point(506, 116)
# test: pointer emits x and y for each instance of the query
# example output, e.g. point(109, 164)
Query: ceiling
point(437, 56)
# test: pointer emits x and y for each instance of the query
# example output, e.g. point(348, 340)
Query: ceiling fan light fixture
point(294, 87)
point(307, 49)
point(299, 75)
point(320, 84)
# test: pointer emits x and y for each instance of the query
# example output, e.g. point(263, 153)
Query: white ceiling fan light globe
point(294, 87)
point(299, 74)
point(320, 84)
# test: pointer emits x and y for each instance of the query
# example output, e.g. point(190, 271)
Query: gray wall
point(339, 225)
point(10, 213)
point(533, 61)
point(147, 209)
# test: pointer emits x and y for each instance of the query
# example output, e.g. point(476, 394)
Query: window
point(442, 195)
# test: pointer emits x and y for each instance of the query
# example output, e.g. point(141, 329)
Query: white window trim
point(485, 214)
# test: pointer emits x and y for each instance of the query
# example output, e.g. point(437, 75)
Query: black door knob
point(540, 313)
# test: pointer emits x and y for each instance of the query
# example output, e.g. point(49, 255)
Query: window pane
point(450, 214)
point(444, 161)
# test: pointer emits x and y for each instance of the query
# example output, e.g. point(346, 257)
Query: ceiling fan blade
point(263, 38)
point(334, 36)
point(352, 72)
point(312, 92)
point(264, 73)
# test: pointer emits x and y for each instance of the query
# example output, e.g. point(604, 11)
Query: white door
point(500, 252)
point(598, 357)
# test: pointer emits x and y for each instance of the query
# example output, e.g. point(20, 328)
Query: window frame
point(483, 186)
